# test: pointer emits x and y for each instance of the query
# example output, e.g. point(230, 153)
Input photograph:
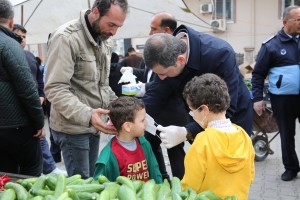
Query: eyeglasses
point(295, 20)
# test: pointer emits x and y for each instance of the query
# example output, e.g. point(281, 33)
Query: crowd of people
point(192, 95)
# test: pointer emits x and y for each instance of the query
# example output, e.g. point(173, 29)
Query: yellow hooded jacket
point(222, 162)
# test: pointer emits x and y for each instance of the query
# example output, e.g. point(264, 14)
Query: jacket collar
point(193, 46)
point(85, 26)
point(283, 36)
point(11, 34)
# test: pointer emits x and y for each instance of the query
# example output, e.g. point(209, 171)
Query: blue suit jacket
point(208, 54)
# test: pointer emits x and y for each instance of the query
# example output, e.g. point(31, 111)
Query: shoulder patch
point(270, 38)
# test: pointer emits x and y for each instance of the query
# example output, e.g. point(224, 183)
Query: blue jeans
point(54, 148)
point(48, 161)
point(80, 152)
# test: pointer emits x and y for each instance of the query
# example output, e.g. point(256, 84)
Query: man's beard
point(96, 28)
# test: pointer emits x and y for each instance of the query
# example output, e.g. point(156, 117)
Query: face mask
point(191, 113)
point(201, 123)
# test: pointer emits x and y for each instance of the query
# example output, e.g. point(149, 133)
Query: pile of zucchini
point(59, 187)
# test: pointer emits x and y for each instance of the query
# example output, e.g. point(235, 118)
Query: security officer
point(279, 59)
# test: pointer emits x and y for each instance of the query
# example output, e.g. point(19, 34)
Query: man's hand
point(123, 69)
point(42, 100)
point(40, 133)
point(100, 125)
point(259, 107)
point(142, 87)
point(172, 135)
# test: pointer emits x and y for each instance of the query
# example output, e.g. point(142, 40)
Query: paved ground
point(267, 184)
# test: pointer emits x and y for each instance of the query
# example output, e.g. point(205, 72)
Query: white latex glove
point(172, 135)
point(123, 69)
point(142, 87)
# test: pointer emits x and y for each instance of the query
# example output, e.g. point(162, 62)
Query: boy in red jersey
point(129, 153)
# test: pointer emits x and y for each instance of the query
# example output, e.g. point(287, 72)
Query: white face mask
point(201, 123)
point(191, 113)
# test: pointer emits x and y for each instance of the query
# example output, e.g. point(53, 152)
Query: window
point(224, 9)
point(286, 3)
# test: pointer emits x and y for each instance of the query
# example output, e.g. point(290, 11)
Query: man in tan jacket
point(77, 83)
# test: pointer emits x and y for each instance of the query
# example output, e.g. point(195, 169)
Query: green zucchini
point(102, 179)
point(126, 193)
point(21, 192)
point(87, 195)
point(8, 194)
point(73, 178)
point(126, 181)
point(86, 188)
point(176, 185)
point(60, 185)
point(148, 190)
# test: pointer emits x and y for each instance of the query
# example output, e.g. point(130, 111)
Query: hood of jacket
point(231, 149)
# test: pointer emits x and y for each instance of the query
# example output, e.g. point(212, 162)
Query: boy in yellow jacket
point(221, 158)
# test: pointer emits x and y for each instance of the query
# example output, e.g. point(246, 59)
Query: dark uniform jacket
point(277, 59)
point(19, 100)
point(207, 54)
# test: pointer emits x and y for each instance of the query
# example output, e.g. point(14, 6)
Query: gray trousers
point(79, 151)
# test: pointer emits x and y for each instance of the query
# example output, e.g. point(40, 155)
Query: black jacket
point(35, 71)
point(19, 99)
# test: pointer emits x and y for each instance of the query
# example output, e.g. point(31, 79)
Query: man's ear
point(11, 24)
point(95, 11)
point(127, 126)
point(284, 22)
point(181, 59)
point(94, 15)
point(168, 30)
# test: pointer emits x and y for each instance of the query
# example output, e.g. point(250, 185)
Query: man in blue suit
point(173, 111)
point(176, 60)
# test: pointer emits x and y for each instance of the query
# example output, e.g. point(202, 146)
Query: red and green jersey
point(132, 164)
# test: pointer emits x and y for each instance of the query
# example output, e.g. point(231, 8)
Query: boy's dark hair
point(123, 110)
point(207, 89)
point(39, 61)
point(19, 27)
point(130, 49)
point(114, 58)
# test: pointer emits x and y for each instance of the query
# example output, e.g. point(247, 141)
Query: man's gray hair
point(6, 11)
point(163, 49)
point(287, 12)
